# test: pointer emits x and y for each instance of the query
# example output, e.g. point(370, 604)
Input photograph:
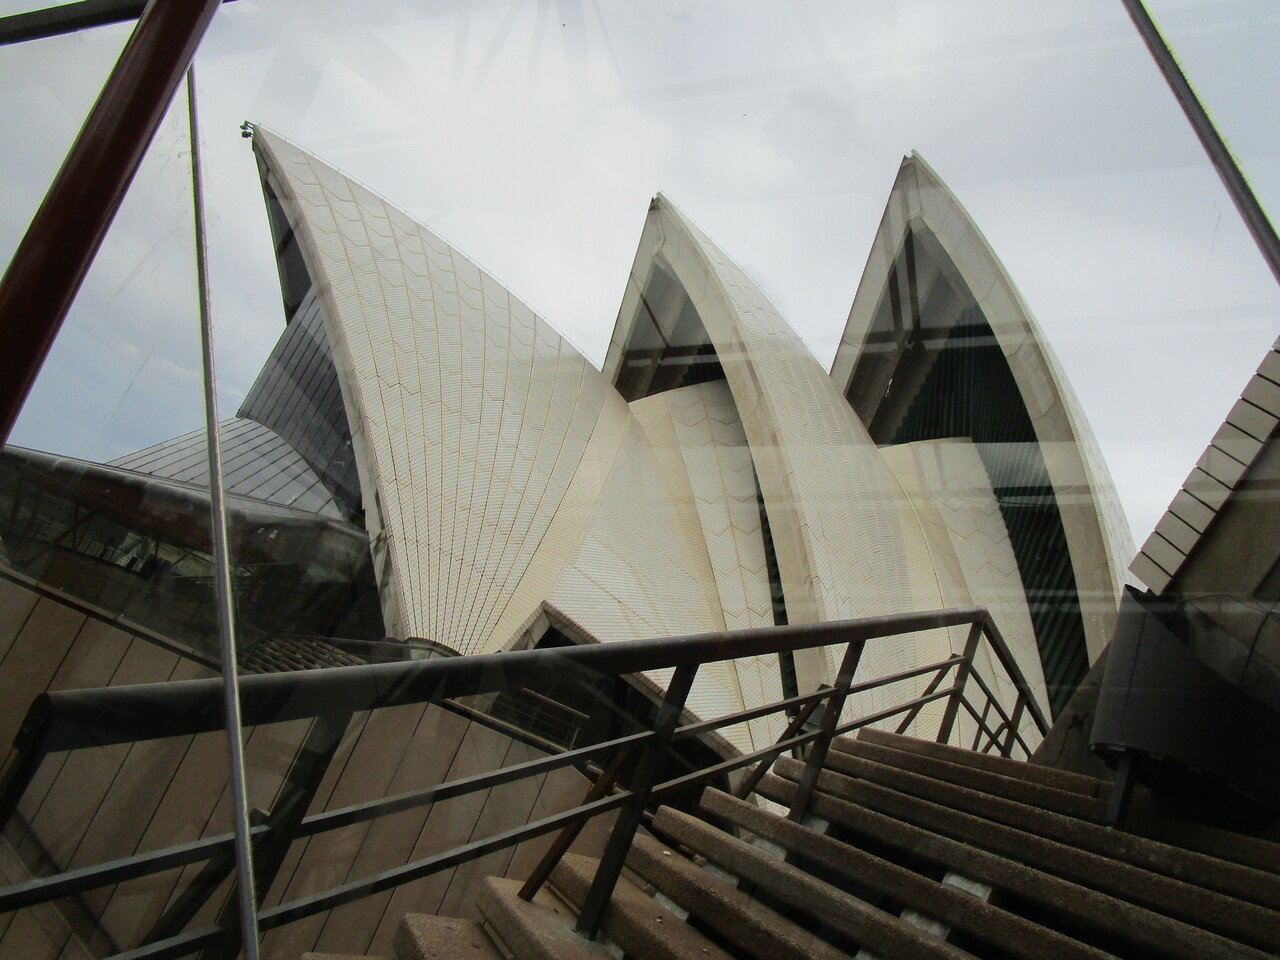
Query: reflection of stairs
point(913, 850)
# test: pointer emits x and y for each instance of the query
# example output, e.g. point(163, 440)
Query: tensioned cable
point(221, 560)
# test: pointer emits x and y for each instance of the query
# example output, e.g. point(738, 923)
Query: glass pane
point(106, 582)
point(543, 329)
point(49, 87)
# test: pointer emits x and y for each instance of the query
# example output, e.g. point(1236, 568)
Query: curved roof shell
point(932, 281)
point(713, 476)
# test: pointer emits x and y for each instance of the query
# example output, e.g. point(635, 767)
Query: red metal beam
point(51, 262)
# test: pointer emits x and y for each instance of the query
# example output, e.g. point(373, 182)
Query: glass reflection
point(422, 469)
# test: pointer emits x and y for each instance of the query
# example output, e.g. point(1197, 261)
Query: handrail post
point(830, 720)
point(564, 839)
point(982, 725)
point(933, 685)
point(1006, 748)
point(962, 677)
point(624, 829)
point(1002, 652)
point(793, 727)
point(30, 745)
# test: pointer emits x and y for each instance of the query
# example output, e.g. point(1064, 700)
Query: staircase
point(912, 850)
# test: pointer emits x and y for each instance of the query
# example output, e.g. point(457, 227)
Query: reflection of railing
point(386, 650)
point(73, 720)
point(90, 529)
point(545, 718)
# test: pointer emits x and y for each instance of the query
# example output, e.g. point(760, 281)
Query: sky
point(531, 135)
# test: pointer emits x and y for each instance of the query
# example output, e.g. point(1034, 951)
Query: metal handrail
point(74, 719)
point(1007, 723)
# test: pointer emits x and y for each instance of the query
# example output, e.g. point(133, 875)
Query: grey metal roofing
point(256, 462)
point(1213, 480)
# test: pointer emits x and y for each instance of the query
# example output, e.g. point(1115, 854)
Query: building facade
point(425, 467)
point(712, 475)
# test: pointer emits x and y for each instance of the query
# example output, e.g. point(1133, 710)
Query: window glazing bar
point(64, 18)
point(54, 255)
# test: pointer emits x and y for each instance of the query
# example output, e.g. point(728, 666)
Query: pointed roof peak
point(661, 201)
point(916, 161)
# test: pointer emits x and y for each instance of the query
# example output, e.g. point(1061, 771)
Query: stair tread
point(1002, 784)
point(421, 936)
point(532, 931)
point(735, 917)
point(1235, 918)
point(1161, 861)
point(1258, 853)
point(1066, 887)
point(1015, 934)
point(1145, 816)
point(870, 927)
point(636, 922)
point(1079, 904)
point(1048, 776)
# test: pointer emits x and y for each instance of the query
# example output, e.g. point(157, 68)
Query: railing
point(72, 720)
point(543, 718)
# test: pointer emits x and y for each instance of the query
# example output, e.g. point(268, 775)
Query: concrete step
point(421, 936)
point(532, 931)
point(1146, 819)
point(1170, 876)
point(1145, 813)
point(637, 923)
point(1114, 881)
point(1011, 787)
point(877, 931)
point(736, 919)
point(1030, 772)
point(1076, 907)
point(1014, 934)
